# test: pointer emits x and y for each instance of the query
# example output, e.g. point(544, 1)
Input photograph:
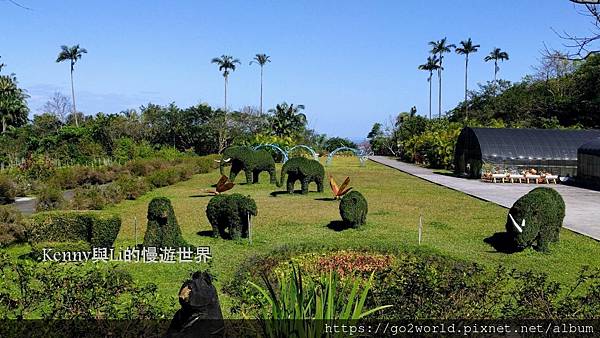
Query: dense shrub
point(96, 197)
point(132, 187)
point(164, 177)
point(7, 190)
point(49, 198)
point(423, 285)
point(75, 176)
point(354, 209)
point(230, 212)
point(12, 227)
point(88, 293)
point(100, 230)
point(162, 229)
point(543, 210)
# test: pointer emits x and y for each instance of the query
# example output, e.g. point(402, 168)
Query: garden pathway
point(583, 205)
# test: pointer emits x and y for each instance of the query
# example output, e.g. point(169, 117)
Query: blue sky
point(351, 63)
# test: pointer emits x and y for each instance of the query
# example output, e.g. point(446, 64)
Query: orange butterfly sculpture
point(223, 185)
point(339, 191)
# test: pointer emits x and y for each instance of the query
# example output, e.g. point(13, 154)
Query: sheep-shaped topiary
point(251, 162)
point(354, 209)
point(304, 170)
point(163, 230)
point(536, 219)
point(230, 213)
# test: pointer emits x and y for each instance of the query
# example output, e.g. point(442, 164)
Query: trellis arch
point(302, 146)
point(362, 156)
point(273, 146)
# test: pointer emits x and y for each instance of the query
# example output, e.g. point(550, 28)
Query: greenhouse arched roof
point(497, 144)
point(591, 148)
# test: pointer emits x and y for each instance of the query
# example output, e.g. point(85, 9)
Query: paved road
point(26, 205)
point(583, 205)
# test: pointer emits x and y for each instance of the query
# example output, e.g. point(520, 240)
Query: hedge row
point(12, 226)
point(97, 229)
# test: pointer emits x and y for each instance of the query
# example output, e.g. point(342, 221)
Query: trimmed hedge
point(543, 210)
point(8, 190)
point(354, 209)
point(162, 229)
point(230, 212)
point(99, 230)
point(12, 226)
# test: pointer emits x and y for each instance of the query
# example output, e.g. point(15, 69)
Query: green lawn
point(454, 225)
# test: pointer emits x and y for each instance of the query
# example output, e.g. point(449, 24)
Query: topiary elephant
point(251, 161)
point(305, 170)
point(230, 213)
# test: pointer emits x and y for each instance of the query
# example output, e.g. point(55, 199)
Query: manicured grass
point(454, 225)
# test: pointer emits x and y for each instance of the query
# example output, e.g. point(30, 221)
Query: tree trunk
point(430, 85)
point(466, 87)
point(73, 96)
point(3, 124)
point(225, 107)
point(440, 93)
point(261, 90)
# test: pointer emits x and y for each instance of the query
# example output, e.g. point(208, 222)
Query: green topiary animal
point(230, 213)
point(536, 218)
point(163, 230)
point(305, 170)
point(251, 161)
point(354, 209)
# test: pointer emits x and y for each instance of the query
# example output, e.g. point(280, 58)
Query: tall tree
point(431, 65)
point(227, 64)
point(467, 47)
point(261, 60)
point(440, 48)
point(13, 103)
point(72, 54)
point(287, 120)
point(497, 55)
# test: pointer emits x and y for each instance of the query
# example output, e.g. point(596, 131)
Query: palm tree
point(287, 120)
point(467, 47)
point(72, 54)
point(261, 60)
point(439, 48)
point(496, 54)
point(431, 65)
point(226, 64)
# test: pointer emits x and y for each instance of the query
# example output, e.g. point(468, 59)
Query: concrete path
point(583, 206)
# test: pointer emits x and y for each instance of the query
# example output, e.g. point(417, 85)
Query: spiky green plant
point(300, 307)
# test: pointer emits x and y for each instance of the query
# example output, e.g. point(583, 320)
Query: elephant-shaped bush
point(354, 209)
point(162, 230)
point(251, 161)
point(230, 212)
point(305, 170)
point(535, 219)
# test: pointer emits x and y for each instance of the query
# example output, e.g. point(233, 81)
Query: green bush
point(543, 210)
point(88, 293)
point(12, 226)
point(7, 190)
point(100, 230)
point(162, 229)
point(230, 213)
point(132, 187)
point(37, 249)
point(353, 209)
point(49, 198)
point(164, 177)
